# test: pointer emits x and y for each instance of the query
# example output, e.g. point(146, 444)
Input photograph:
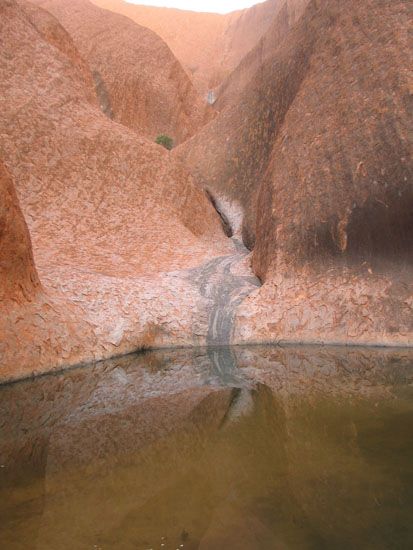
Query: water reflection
point(274, 448)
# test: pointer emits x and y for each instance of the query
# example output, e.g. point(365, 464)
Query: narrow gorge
point(206, 275)
point(305, 152)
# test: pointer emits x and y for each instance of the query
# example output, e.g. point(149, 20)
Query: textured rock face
point(230, 155)
point(105, 209)
point(317, 151)
point(33, 323)
point(138, 80)
point(208, 45)
point(311, 164)
point(280, 16)
point(18, 278)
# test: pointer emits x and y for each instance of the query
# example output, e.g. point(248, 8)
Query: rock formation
point(309, 162)
point(18, 277)
point(33, 323)
point(113, 219)
point(209, 45)
point(138, 80)
point(317, 152)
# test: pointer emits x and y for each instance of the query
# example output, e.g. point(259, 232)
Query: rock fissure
point(225, 282)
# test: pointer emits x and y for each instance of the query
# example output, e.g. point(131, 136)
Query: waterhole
point(254, 448)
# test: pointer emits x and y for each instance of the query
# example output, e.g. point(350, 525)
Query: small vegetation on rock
point(165, 141)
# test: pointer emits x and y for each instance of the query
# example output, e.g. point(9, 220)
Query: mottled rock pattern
point(139, 81)
point(318, 153)
point(209, 45)
point(115, 222)
point(18, 277)
point(129, 252)
point(34, 324)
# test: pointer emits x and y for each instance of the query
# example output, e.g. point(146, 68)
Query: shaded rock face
point(208, 45)
point(317, 152)
point(18, 277)
point(354, 166)
point(138, 80)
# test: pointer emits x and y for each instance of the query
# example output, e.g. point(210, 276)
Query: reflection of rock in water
point(241, 404)
point(323, 462)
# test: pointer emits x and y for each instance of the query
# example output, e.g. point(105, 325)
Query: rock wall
point(138, 80)
point(18, 277)
point(317, 152)
point(208, 45)
point(116, 224)
point(129, 252)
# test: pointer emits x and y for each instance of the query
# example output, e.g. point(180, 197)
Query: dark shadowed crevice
point(103, 95)
point(226, 224)
point(382, 230)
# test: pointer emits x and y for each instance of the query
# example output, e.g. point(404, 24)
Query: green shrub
point(165, 141)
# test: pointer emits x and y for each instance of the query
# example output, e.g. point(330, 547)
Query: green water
point(251, 448)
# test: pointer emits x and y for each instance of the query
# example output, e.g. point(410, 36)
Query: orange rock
point(138, 80)
point(18, 277)
point(316, 151)
point(208, 45)
point(116, 224)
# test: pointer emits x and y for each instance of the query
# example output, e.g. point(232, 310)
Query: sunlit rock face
point(208, 45)
point(115, 223)
point(317, 152)
point(138, 80)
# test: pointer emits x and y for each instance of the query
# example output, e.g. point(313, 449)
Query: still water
point(245, 448)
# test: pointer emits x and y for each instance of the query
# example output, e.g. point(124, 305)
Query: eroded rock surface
point(115, 222)
point(18, 276)
point(317, 152)
point(138, 80)
point(209, 45)
point(310, 164)
point(34, 323)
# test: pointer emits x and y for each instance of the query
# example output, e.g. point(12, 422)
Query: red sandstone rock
point(208, 45)
point(317, 153)
point(33, 323)
point(130, 253)
point(18, 277)
point(113, 219)
point(139, 81)
point(281, 15)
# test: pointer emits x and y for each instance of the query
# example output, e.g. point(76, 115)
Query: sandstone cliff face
point(313, 160)
point(33, 323)
point(18, 277)
point(280, 16)
point(208, 45)
point(105, 209)
point(138, 80)
point(230, 155)
point(318, 154)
